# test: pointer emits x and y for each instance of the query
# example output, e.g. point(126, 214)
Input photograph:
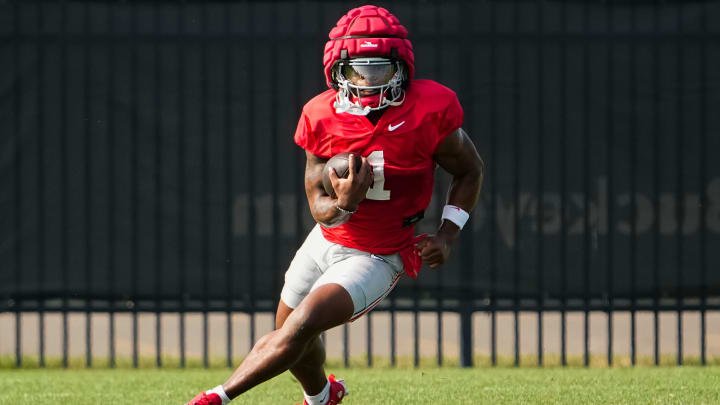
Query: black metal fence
point(147, 162)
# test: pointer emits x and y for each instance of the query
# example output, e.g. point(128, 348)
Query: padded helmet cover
point(368, 31)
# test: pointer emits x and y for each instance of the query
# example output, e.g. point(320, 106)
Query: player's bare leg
point(309, 370)
point(328, 306)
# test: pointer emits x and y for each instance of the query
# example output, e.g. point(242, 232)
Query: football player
point(364, 238)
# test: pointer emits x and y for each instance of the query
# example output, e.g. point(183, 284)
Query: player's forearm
point(465, 189)
point(324, 211)
point(464, 192)
point(323, 208)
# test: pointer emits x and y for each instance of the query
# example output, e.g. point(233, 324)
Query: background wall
point(146, 153)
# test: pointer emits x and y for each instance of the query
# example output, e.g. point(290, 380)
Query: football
point(341, 164)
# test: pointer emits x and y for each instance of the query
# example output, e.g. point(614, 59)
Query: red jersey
point(400, 150)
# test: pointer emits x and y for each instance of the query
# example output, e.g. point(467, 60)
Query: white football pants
point(367, 277)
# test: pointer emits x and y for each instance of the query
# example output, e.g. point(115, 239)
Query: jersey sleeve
point(449, 119)
point(304, 136)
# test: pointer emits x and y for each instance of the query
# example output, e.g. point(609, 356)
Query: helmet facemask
point(368, 84)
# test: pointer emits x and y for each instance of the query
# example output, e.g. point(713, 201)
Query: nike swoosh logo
point(392, 128)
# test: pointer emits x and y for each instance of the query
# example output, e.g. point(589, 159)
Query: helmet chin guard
point(368, 35)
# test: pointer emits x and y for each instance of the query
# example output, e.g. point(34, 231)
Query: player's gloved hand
point(435, 249)
point(351, 190)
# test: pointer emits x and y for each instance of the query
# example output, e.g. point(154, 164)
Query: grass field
point(642, 385)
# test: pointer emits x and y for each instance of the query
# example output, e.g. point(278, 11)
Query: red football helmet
point(368, 60)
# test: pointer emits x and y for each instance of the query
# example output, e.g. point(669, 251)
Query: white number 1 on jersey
point(377, 191)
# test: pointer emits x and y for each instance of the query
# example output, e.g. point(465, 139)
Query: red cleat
point(338, 391)
point(205, 399)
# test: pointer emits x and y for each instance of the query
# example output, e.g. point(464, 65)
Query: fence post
point(466, 352)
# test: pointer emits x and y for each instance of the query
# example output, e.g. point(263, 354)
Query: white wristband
point(456, 215)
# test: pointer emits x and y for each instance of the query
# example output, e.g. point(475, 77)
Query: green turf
point(642, 385)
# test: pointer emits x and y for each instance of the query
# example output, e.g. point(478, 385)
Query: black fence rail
point(147, 162)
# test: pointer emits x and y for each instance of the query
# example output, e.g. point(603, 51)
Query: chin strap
point(344, 105)
point(351, 108)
